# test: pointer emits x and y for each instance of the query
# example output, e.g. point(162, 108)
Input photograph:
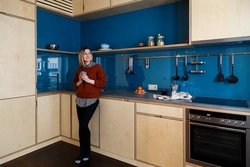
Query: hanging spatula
point(220, 76)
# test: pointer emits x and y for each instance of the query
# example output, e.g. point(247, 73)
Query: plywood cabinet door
point(18, 8)
point(223, 19)
point(119, 2)
point(117, 127)
point(48, 117)
point(17, 57)
point(65, 115)
point(94, 125)
point(159, 141)
point(17, 122)
point(93, 5)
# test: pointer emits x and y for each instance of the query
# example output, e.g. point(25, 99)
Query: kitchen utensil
point(185, 77)
point(197, 62)
point(130, 66)
point(147, 63)
point(220, 76)
point(197, 72)
point(52, 46)
point(176, 77)
point(175, 88)
point(232, 79)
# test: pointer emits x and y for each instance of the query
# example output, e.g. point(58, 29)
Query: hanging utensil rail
point(190, 55)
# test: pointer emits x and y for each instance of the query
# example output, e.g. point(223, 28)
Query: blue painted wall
point(171, 20)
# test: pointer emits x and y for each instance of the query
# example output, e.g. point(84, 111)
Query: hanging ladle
point(185, 77)
point(232, 79)
point(176, 77)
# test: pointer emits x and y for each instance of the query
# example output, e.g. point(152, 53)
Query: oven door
point(210, 145)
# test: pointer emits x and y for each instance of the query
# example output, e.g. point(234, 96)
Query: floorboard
point(62, 154)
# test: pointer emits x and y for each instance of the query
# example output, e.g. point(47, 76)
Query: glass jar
point(151, 41)
point(160, 41)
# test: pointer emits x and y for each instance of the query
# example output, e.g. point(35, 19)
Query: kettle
point(175, 88)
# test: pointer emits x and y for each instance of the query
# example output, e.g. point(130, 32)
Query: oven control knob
point(198, 117)
point(228, 122)
point(235, 123)
point(222, 120)
point(242, 124)
point(192, 116)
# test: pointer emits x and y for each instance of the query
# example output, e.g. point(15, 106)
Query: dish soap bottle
point(160, 41)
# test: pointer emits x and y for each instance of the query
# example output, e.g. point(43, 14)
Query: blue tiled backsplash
point(56, 71)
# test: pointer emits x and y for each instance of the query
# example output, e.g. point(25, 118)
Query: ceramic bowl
point(105, 46)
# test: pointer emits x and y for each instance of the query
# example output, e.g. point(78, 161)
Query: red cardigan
point(86, 90)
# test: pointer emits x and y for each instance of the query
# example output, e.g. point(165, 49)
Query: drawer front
point(174, 112)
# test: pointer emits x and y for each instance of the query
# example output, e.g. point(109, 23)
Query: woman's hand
point(85, 78)
point(80, 80)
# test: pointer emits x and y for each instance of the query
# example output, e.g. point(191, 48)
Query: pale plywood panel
point(159, 141)
point(17, 57)
point(18, 8)
point(119, 2)
point(65, 115)
point(48, 117)
point(77, 7)
point(94, 126)
point(93, 5)
point(75, 124)
point(174, 112)
point(215, 19)
point(117, 127)
point(17, 122)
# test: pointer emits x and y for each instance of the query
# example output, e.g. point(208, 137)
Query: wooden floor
point(62, 154)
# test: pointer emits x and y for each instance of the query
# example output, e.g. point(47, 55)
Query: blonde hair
point(80, 57)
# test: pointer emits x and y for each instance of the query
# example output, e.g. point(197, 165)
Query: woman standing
point(88, 81)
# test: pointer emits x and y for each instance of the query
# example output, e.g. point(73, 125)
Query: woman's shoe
point(79, 159)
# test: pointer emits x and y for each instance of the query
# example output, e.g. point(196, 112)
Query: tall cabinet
point(17, 73)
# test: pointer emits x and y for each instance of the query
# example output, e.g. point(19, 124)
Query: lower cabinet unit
point(65, 115)
point(17, 122)
point(117, 127)
point(48, 117)
point(159, 138)
point(93, 124)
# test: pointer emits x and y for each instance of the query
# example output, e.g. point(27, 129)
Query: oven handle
point(217, 127)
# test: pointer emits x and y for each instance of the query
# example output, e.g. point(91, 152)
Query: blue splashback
point(59, 30)
point(129, 29)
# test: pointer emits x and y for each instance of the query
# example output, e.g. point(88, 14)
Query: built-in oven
point(217, 139)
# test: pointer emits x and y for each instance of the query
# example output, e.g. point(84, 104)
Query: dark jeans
point(84, 115)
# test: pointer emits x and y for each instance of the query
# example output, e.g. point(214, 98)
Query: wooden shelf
point(146, 48)
point(137, 49)
point(56, 51)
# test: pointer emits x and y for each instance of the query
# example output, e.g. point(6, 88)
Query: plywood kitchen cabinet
point(119, 2)
point(65, 115)
point(117, 127)
point(159, 135)
point(17, 122)
point(93, 5)
point(18, 8)
point(65, 7)
point(17, 57)
point(48, 117)
point(94, 124)
point(219, 21)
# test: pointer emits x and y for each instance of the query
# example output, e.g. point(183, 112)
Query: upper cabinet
point(219, 21)
point(119, 2)
point(92, 5)
point(18, 8)
point(82, 10)
point(65, 7)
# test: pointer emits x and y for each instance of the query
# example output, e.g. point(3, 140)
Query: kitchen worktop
point(200, 102)
point(185, 103)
